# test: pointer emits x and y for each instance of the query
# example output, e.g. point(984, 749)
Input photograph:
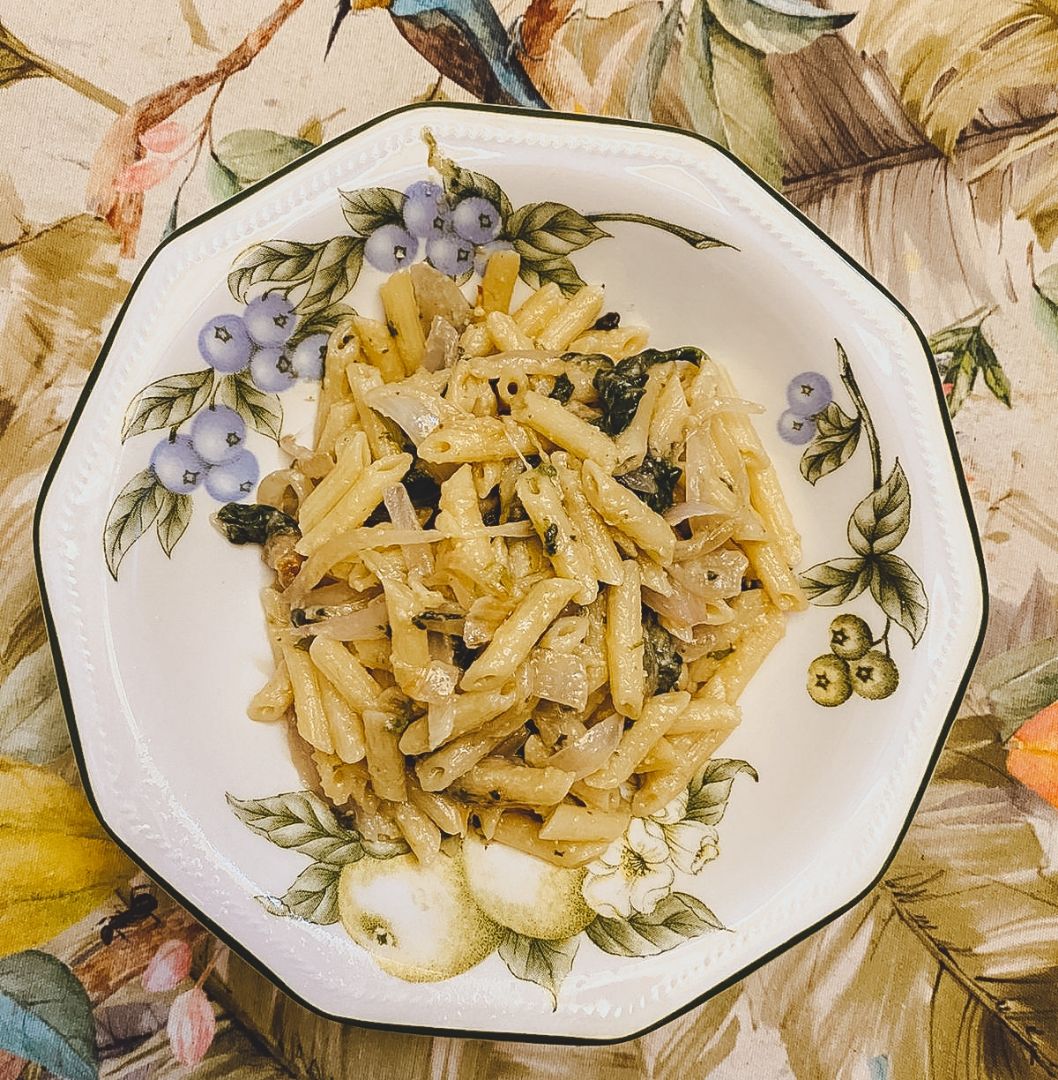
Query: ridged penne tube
point(521, 832)
point(624, 642)
point(622, 509)
point(769, 568)
point(347, 729)
point(660, 788)
point(273, 700)
point(385, 762)
point(345, 672)
point(379, 348)
point(632, 442)
point(471, 711)
point(448, 814)
point(308, 706)
point(558, 424)
point(402, 313)
point(542, 500)
point(499, 279)
point(337, 483)
point(477, 439)
point(422, 834)
point(736, 669)
point(505, 332)
point(768, 500)
point(569, 822)
point(572, 320)
point(539, 308)
point(669, 420)
point(515, 636)
point(636, 743)
point(355, 506)
point(363, 379)
point(591, 530)
point(617, 343)
point(516, 783)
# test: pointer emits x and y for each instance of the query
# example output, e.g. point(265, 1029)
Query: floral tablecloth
point(921, 136)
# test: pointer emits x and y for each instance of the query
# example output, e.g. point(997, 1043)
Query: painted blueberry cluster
point(257, 342)
point(852, 665)
point(258, 339)
point(807, 395)
point(459, 237)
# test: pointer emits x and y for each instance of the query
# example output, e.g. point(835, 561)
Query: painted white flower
point(691, 844)
point(633, 874)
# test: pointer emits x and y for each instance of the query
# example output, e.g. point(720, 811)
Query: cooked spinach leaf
point(562, 391)
point(662, 662)
point(654, 482)
point(620, 386)
point(253, 523)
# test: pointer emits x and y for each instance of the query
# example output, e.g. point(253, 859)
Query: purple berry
point(308, 357)
point(486, 251)
point(391, 247)
point(809, 393)
point(178, 468)
point(451, 255)
point(235, 479)
point(426, 214)
point(272, 370)
point(225, 344)
point(270, 319)
point(477, 220)
point(217, 434)
point(795, 428)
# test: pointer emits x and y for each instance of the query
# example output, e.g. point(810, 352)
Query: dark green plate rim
point(60, 670)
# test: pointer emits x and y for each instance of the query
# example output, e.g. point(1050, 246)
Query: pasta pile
point(524, 574)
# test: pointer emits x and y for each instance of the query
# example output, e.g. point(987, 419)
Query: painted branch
point(106, 968)
point(121, 147)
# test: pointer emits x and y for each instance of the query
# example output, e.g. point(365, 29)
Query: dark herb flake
point(551, 538)
point(610, 321)
point(662, 662)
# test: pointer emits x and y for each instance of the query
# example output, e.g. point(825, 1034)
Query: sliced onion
point(436, 682)
point(590, 752)
point(559, 678)
point(442, 345)
point(715, 576)
point(402, 514)
point(685, 510)
point(415, 410)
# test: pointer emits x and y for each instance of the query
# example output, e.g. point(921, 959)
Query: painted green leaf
point(278, 261)
point(368, 209)
point(677, 918)
point(834, 582)
point(133, 513)
point(300, 820)
point(252, 154)
point(334, 274)
point(559, 270)
point(899, 592)
point(45, 1015)
point(710, 789)
point(547, 229)
point(837, 436)
point(173, 519)
point(262, 411)
point(460, 183)
point(545, 963)
point(313, 896)
point(167, 403)
point(728, 93)
point(962, 352)
point(1021, 682)
point(882, 519)
point(32, 722)
point(16, 61)
point(320, 322)
point(221, 182)
point(776, 26)
point(644, 88)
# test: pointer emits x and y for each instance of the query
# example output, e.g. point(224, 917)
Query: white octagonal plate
point(158, 662)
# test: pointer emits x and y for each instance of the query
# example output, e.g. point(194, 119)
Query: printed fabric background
point(922, 136)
